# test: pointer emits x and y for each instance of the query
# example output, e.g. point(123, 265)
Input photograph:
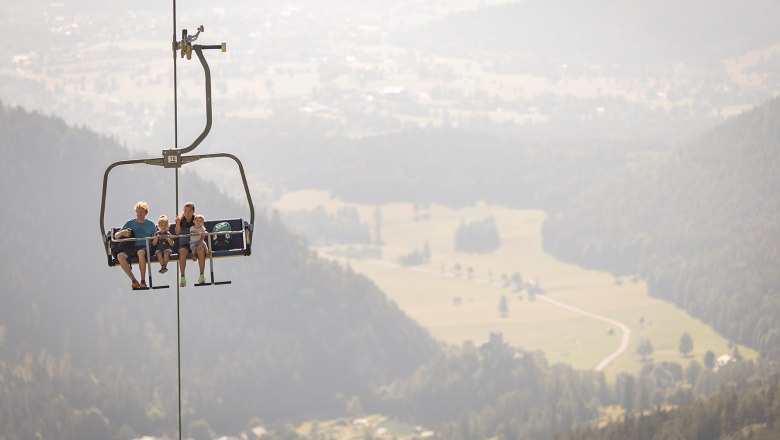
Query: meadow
point(458, 305)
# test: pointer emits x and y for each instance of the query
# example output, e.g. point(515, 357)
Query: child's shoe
point(163, 269)
point(183, 282)
point(201, 279)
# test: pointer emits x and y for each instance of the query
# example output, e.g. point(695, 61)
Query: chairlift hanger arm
point(187, 47)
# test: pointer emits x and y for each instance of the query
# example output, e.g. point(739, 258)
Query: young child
point(198, 246)
point(162, 242)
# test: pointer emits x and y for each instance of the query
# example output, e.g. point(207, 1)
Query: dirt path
point(624, 329)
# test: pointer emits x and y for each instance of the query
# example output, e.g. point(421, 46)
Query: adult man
point(140, 228)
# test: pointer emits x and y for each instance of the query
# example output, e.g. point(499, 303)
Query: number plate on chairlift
point(171, 159)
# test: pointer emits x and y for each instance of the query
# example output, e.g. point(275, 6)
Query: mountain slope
point(701, 224)
point(292, 335)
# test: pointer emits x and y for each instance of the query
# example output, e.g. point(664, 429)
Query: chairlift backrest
point(240, 244)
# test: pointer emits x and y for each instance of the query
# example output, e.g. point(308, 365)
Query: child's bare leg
point(202, 258)
point(182, 259)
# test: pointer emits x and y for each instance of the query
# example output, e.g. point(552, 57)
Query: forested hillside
point(497, 391)
point(750, 411)
point(700, 217)
point(437, 165)
point(701, 224)
point(293, 336)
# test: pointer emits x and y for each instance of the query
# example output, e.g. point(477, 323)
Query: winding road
point(624, 329)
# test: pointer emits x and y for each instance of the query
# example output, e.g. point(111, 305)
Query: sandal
point(135, 285)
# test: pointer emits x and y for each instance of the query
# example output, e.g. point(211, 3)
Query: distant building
point(360, 422)
point(722, 361)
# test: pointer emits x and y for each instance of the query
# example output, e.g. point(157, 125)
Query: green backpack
point(221, 242)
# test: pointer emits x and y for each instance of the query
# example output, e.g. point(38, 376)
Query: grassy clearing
point(456, 309)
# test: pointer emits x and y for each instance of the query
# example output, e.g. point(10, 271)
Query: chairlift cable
point(176, 173)
point(239, 233)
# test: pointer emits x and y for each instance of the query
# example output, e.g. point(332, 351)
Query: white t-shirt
point(197, 231)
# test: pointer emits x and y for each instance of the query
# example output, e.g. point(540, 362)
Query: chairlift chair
point(240, 242)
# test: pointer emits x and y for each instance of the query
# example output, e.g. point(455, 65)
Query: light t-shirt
point(197, 231)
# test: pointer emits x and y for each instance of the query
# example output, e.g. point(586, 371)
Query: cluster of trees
point(463, 381)
point(479, 237)
point(416, 257)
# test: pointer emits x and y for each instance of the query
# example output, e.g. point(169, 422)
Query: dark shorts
point(132, 252)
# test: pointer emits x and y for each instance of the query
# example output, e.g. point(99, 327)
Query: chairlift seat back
point(238, 246)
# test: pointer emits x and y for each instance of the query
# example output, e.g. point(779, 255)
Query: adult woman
point(183, 224)
point(140, 228)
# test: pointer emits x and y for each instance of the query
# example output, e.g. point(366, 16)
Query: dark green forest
point(480, 237)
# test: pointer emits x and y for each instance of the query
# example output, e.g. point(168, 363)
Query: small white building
point(722, 361)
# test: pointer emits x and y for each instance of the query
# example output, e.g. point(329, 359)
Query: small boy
point(162, 242)
point(198, 247)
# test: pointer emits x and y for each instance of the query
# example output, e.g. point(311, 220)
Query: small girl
point(198, 246)
point(162, 242)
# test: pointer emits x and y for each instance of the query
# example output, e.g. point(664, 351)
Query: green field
point(456, 309)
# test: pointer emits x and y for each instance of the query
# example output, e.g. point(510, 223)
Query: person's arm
point(154, 241)
point(169, 239)
point(124, 232)
point(203, 234)
point(178, 225)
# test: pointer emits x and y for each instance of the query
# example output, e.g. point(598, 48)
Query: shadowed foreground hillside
point(292, 336)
